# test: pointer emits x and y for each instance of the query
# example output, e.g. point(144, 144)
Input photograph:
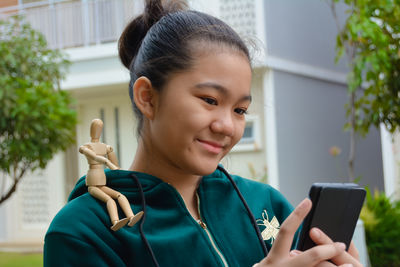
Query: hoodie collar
point(122, 181)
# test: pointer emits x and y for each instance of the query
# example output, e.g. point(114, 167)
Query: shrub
point(381, 219)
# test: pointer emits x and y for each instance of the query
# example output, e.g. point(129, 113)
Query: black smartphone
point(335, 210)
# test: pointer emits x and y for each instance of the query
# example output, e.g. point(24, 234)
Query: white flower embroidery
point(271, 227)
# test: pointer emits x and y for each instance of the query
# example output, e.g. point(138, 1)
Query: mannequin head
point(96, 127)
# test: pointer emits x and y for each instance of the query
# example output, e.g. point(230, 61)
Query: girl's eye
point(209, 100)
point(240, 111)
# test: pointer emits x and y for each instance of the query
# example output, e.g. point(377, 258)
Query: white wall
point(30, 210)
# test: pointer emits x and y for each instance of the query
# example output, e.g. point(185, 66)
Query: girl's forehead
point(214, 62)
point(200, 48)
point(223, 71)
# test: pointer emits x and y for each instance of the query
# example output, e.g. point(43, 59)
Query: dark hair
point(161, 41)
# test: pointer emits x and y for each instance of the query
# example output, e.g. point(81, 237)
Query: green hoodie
point(80, 233)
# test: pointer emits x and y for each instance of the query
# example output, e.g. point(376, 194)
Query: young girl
point(190, 90)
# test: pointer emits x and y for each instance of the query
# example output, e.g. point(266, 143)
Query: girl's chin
point(206, 170)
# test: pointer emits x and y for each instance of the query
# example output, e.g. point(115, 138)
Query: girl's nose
point(223, 125)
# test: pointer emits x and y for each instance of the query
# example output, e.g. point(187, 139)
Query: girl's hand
point(350, 256)
point(280, 255)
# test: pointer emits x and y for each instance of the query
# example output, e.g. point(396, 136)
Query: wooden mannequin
point(96, 153)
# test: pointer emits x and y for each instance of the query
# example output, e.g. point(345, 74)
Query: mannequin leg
point(96, 192)
point(124, 204)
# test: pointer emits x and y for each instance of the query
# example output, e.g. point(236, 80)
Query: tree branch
point(16, 179)
point(352, 150)
point(349, 53)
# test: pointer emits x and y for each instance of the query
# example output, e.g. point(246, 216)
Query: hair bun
point(134, 33)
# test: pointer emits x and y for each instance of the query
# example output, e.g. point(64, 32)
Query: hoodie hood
point(122, 181)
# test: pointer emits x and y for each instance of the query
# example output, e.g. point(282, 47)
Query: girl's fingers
point(319, 254)
point(294, 253)
point(329, 264)
point(353, 251)
point(288, 228)
point(325, 264)
point(320, 238)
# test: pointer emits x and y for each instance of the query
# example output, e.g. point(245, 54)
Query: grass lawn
point(14, 259)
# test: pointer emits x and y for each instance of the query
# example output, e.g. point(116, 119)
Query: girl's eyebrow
point(220, 89)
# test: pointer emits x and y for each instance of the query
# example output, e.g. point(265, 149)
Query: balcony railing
point(78, 23)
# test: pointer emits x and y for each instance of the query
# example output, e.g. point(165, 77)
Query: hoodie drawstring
point(146, 242)
point(250, 214)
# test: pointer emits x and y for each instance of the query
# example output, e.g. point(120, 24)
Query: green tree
point(370, 38)
point(36, 119)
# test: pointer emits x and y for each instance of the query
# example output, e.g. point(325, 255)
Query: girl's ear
point(145, 96)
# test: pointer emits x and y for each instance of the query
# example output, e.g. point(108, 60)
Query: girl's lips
point(210, 146)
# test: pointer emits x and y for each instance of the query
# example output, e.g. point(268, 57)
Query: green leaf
point(372, 31)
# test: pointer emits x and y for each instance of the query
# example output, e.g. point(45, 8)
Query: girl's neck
point(185, 184)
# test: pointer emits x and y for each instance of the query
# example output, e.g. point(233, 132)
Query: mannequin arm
point(111, 165)
point(100, 159)
point(111, 156)
point(88, 153)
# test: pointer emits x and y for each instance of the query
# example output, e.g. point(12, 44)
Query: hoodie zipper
point(204, 226)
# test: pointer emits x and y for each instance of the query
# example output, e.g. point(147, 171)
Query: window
point(248, 135)
point(251, 139)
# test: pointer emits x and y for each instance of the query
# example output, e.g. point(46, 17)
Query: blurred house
point(296, 116)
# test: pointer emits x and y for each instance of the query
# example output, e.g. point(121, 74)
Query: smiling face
point(199, 114)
